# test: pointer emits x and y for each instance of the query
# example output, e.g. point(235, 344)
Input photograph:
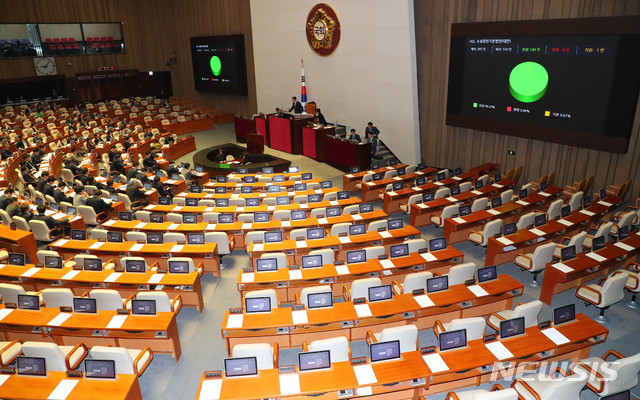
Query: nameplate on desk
point(457, 178)
point(522, 203)
point(235, 321)
point(334, 203)
point(173, 227)
point(59, 319)
point(364, 374)
point(271, 208)
point(562, 267)
point(555, 336)
point(565, 222)
point(289, 384)
point(303, 205)
point(155, 279)
point(258, 247)
point(397, 178)
point(239, 209)
point(605, 203)
point(63, 389)
point(505, 241)
point(209, 195)
point(177, 248)
point(109, 222)
point(342, 269)
point(323, 221)
point(493, 212)
point(301, 244)
point(387, 264)
point(624, 246)
point(537, 232)
point(30, 272)
point(235, 195)
point(428, 257)
point(363, 310)
point(424, 301)
point(419, 173)
point(96, 245)
point(344, 239)
point(435, 362)
point(295, 274)
point(478, 290)
point(385, 234)
point(117, 321)
point(262, 194)
point(477, 193)
point(69, 275)
point(545, 194)
point(498, 186)
point(596, 256)
point(499, 350)
point(459, 220)
point(356, 217)
point(588, 213)
point(369, 183)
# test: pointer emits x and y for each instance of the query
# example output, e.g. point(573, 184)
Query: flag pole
point(303, 88)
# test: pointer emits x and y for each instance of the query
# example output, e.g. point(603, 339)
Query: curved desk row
point(371, 189)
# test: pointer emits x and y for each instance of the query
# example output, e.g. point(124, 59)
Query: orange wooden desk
point(158, 332)
point(295, 249)
point(207, 253)
point(584, 268)
point(287, 175)
point(370, 189)
point(19, 241)
point(179, 148)
point(349, 181)
point(257, 185)
point(456, 232)
point(486, 168)
point(287, 285)
point(188, 286)
point(231, 195)
point(124, 387)
point(343, 319)
point(526, 240)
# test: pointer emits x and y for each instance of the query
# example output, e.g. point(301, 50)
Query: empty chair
point(459, 274)
point(281, 259)
point(178, 201)
point(526, 220)
point(490, 229)
point(266, 356)
point(279, 215)
point(174, 218)
point(625, 219)
point(576, 240)
point(238, 202)
point(270, 201)
point(414, 198)
point(447, 212)
point(406, 334)
point(245, 217)
point(496, 393)
point(300, 198)
point(416, 244)
point(295, 234)
point(339, 348)
point(224, 244)
point(304, 294)
point(337, 229)
point(603, 295)
point(127, 361)
point(484, 179)
point(132, 236)
point(360, 288)
point(474, 326)
point(350, 209)
point(536, 262)
point(210, 217)
point(374, 252)
point(366, 178)
point(603, 230)
point(465, 187)
point(532, 386)
point(331, 196)
point(506, 196)
point(415, 281)
point(315, 213)
point(625, 368)
point(107, 299)
point(576, 200)
point(529, 311)
point(270, 293)
point(57, 358)
point(553, 212)
point(41, 254)
point(328, 256)
point(9, 292)
point(375, 225)
point(57, 297)
point(442, 192)
point(174, 237)
point(98, 234)
point(9, 351)
point(479, 204)
point(192, 265)
point(252, 236)
point(390, 174)
point(163, 303)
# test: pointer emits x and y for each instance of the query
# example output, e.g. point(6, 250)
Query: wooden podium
point(255, 143)
point(285, 133)
point(314, 141)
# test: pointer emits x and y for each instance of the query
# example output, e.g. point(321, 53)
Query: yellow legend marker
point(547, 113)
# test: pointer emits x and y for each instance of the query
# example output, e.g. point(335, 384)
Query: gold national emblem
point(323, 30)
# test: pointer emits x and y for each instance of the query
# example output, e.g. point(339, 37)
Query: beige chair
point(474, 326)
point(339, 348)
point(42, 233)
point(107, 299)
point(9, 351)
point(127, 361)
point(415, 281)
point(413, 199)
point(360, 288)
point(603, 230)
point(266, 356)
point(603, 295)
point(490, 229)
point(576, 200)
point(576, 240)
point(535, 387)
point(598, 369)
point(447, 212)
point(536, 262)
point(328, 256)
point(57, 358)
point(407, 335)
point(9, 293)
point(459, 274)
point(529, 311)
point(163, 303)
point(224, 244)
point(496, 393)
point(57, 297)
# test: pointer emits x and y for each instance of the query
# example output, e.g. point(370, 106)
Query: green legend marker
point(475, 104)
point(216, 65)
point(528, 81)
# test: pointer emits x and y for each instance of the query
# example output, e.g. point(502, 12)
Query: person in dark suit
point(131, 173)
point(134, 192)
point(117, 164)
point(98, 204)
point(42, 180)
point(49, 186)
point(320, 118)
point(82, 176)
point(187, 173)
point(296, 106)
point(354, 136)
point(13, 208)
point(149, 160)
point(6, 153)
point(53, 224)
point(172, 169)
point(162, 191)
point(22, 144)
point(5, 199)
point(25, 212)
point(141, 176)
point(371, 129)
point(59, 196)
point(219, 157)
point(28, 178)
point(373, 139)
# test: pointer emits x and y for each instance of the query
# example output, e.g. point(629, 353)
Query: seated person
point(354, 136)
point(54, 225)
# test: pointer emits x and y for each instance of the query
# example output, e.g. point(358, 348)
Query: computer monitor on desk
point(540, 219)
point(261, 217)
point(190, 218)
point(28, 302)
point(85, 305)
point(356, 256)
point(437, 284)
point(266, 264)
point(487, 274)
point(164, 201)
point(156, 218)
point(225, 218)
point(99, 369)
point(273, 237)
point(143, 307)
point(314, 360)
point(222, 202)
point(178, 267)
point(191, 202)
point(568, 253)
point(138, 266)
point(365, 208)
point(124, 215)
point(427, 197)
point(380, 293)
point(53, 262)
point(31, 366)
point(221, 190)
point(93, 264)
point(257, 304)
point(155, 238)
point(597, 243)
point(16, 259)
point(195, 238)
point(437, 244)
point(509, 229)
point(283, 200)
point(320, 300)
point(115, 237)
point(357, 229)
point(385, 351)
point(334, 211)
point(314, 261)
point(241, 366)
point(273, 189)
point(452, 340)
point(564, 314)
point(299, 187)
point(565, 211)
point(315, 233)
point(252, 202)
point(496, 202)
point(278, 178)
point(395, 223)
point(512, 327)
point(399, 250)
point(246, 189)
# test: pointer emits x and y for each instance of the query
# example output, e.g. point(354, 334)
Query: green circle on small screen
point(528, 81)
point(216, 65)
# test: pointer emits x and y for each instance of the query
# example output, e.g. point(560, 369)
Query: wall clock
point(45, 66)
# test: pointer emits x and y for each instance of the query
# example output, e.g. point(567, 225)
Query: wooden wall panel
point(448, 146)
point(152, 31)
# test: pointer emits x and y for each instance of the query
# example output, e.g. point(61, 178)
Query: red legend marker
point(509, 109)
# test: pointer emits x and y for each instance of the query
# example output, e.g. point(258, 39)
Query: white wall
point(370, 77)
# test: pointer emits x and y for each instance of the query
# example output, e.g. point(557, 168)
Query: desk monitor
point(16, 259)
point(221, 179)
point(199, 168)
point(395, 186)
point(540, 219)
point(586, 202)
point(626, 395)
point(623, 233)
point(597, 243)
point(85, 305)
point(182, 165)
point(125, 215)
point(380, 293)
point(266, 264)
point(401, 170)
point(395, 223)
point(565, 211)
point(115, 237)
point(377, 176)
point(32, 366)
point(242, 171)
point(273, 189)
point(273, 237)
point(261, 216)
point(314, 261)
point(222, 202)
point(53, 207)
point(437, 244)
point(509, 229)
point(478, 184)
point(93, 264)
point(314, 360)
point(464, 210)
point(283, 200)
point(354, 170)
point(385, 351)
point(564, 314)
point(156, 217)
point(497, 177)
point(191, 202)
point(357, 229)
point(315, 233)
point(602, 194)
point(334, 211)
point(319, 300)
point(568, 253)
point(421, 166)
point(78, 234)
point(220, 190)
point(143, 307)
point(225, 218)
point(437, 284)
point(356, 256)
point(195, 238)
point(189, 218)
point(246, 189)
point(267, 170)
point(496, 202)
point(155, 237)
point(135, 266)
point(299, 187)
point(240, 366)
point(114, 197)
point(306, 176)
point(195, 189)
point(512, 327)
point(314, 198)
point(457, 171)
point(343, 195)
point(249, 179)
point(441, 176)
point(164, 201)
point(297, 215)
point(543, 186)
point(399, 250)
point(178, 267)
point(257, 304)
point(421, 180)
point(28, 302)
point(252, 202)
point(71, 210)
point(278, 178)
point(427, 197)
point(294, 169)
point(365, 208)
point(452, 340)
point(39, 201)
point(486, 274)
point(455, 190)
point(522, 194)
point(326, 185)
point(53, 262)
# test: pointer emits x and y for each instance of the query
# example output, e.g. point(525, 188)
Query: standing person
point(296, 106)
point(371, 129)
point(373, 139)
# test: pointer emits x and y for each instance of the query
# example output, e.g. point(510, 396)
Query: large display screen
point(219, 64)
point(571, 82)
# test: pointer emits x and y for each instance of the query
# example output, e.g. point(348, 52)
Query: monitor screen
point(245, 366)
point(565, 211)
point(143, 307)
point(257, 304)
point(452, 340)
point(397, 186)
point(522, 194)
point(195, 238)
point(175, 177)
point(278, 178)
point(114, 196)
point(441, 176)
point(568, 253)
point(395, 223)
point(457, 171)
point(195, 189)
point(243, 171)
point(314, 198)
point(300, 187)
point(540, 219)
point(510, 228)
point(125, 216)
point(334, 211)
point(178, 266)
point(379, 293)
point(376, 177)
point(93, 264)
point(512, 327)
point(306, 176)
point(343, 195)
point(53, 207)
point(115, 237)
point(314, 261)
point(252, 202)
point(326, 185)
point(155, 238)
point(402, 170)
point(225, 218)
point(427, 197)
point(28, 302)
point(384, 351)
point(597, 243)
point(455, 190)
point(421, 166)
point(496, 202)
point(267, 170)
point(294, 169)
point(190, 218)
point(354, 170)
point(421, 180)
point(31, 366)
point(543, 186)
point(99, 369)
point(478, 184)
point(273, 237)
point(356, 256)
point(191, 202)
point(586, 202)
point(283, 200)
point(164, 201)
point(53, 261)
point(357, 229)
point(489, 273)
point(314, 360)
point(222, 202)
point(297, 215)
point(221, 189)
point(16, 259)
point(273, 189)
point(365, 208)
point(221, 179)
point(261, 217)
point(246, 189)
point(266, 264)
point(623, 233)
point(320, 300)
point(39, 201)
point(464, 210)
point(156, 217)
point(564, 314)
point(135, 266)
point(249, 179)
point(199, 168)
point(437, 284)
point(438, 244)
point(497, 177)
point(85, 305)
point(399, 250)
point(315, 233)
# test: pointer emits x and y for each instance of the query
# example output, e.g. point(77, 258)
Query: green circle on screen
point(528, 81)
point(216, 65)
